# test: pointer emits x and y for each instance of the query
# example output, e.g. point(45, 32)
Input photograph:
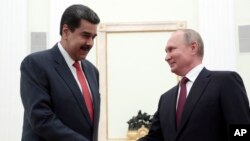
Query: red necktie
point(85, 89)
point(181, 101)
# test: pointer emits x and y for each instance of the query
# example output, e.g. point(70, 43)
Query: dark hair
point(73, 15)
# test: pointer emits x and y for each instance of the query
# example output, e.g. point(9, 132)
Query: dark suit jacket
point(216, 100)
point(54, 108)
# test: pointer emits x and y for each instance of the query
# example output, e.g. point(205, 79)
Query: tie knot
point(77, 65)
point(184, 80)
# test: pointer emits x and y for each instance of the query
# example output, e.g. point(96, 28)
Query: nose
point(90, 42)
point(167, 58)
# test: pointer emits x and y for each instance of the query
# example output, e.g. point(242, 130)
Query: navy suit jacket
point(216, 100)
point(54, 108)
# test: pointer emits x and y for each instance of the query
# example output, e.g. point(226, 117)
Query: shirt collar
point(193, 74)
point(65, 55)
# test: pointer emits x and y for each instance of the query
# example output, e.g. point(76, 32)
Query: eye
point(85, 36)
point(170, 49)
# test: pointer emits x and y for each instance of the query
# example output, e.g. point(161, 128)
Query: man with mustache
point(59, 87)
point(205, 103)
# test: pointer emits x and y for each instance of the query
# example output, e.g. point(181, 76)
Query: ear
point(194, 47)
point(65, 31)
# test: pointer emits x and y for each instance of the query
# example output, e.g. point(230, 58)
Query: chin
point(81, 58)
point(174, 71)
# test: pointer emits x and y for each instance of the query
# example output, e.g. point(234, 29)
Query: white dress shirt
point(191, 75)
point(70, 63)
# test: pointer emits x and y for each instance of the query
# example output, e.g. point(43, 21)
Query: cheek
point(175, 55)
point(77, 42)
point(80, 41)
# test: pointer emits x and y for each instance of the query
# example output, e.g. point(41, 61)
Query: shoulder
point(226, 77)
point(37, 56)
point(42, 56)
point(223, 73)
point(37, 61)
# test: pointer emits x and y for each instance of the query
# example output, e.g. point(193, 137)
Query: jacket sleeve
point(155, 132)
point(234, 101)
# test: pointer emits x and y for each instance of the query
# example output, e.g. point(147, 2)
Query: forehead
point(175, 38)
point(86, 26)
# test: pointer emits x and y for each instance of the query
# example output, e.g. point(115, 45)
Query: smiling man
point(59, 87)
point(205, 103)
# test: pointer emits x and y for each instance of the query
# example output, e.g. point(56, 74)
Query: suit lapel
point(172, 109)
point(194, 96)
point(167, 110)
point(64, 71)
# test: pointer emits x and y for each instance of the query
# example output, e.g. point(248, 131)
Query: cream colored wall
point(147, 11)
point(38, 18)
point(242, 17)
point(113, 11)
point(13, 46)
point(38, 15)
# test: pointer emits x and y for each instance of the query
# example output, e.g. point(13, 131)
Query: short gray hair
point(190, 36)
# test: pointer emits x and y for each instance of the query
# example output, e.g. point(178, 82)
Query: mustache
point(85, 47)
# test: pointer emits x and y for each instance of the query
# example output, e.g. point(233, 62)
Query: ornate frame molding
point(101, 59)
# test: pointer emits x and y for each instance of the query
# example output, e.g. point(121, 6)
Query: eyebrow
point(87, 33)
